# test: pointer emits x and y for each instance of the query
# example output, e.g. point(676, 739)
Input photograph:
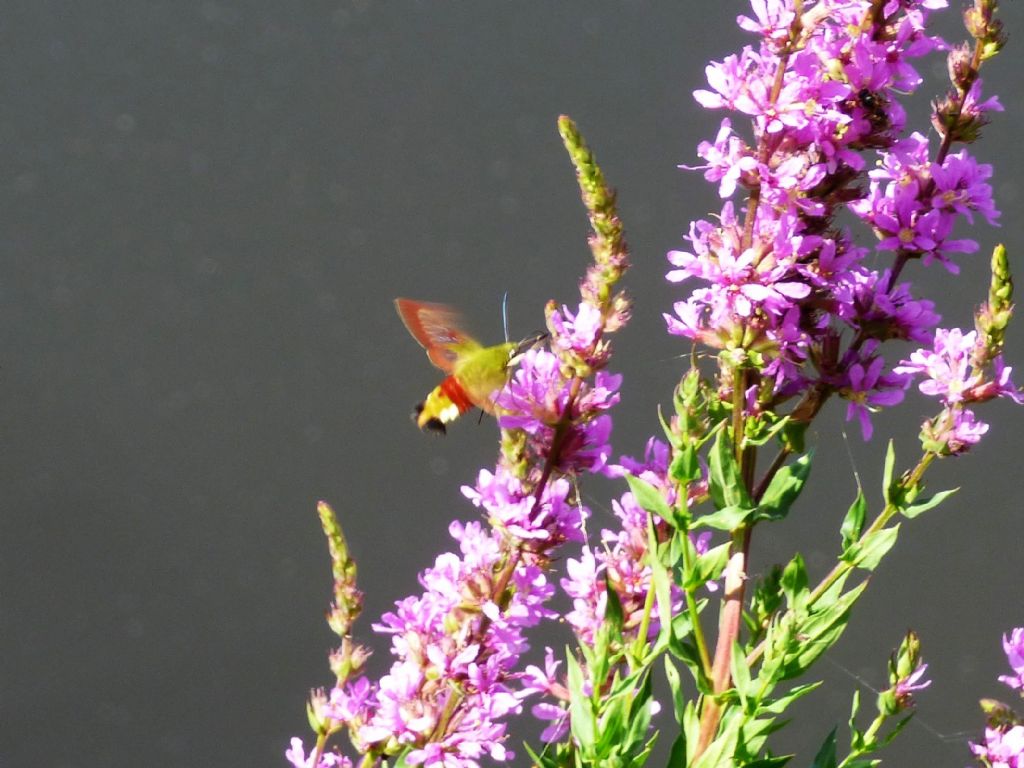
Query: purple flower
point(539, 400)
point(773, 19)
point(557, 718)
point(950, 372)
point(584, 583)
point(580, 333)
point(907, 686)
point(954, 431)
point(1003, 747)
point(868, 388)
point(296, 755)
point(1014, 647)
point(976, 110)
point(454, 646)
point(961, 187)
point(894, 314)
point(510, 507)
point(546, 682)
point(351, 703)
point(729, 161)
point(913, 203)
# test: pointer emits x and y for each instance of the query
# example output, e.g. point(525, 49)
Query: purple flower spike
point(538, 400)
point(1014, 647)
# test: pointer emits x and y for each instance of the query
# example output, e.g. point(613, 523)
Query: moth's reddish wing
point(436, 327)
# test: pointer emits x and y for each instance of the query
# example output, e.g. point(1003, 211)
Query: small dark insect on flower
point(868, 100)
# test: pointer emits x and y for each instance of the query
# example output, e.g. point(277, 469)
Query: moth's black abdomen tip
point(434, 425)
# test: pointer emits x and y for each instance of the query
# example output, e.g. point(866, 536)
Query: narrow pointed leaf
point(725, 481)
point(853, 523)
point(708, 567)
point(651, 499)
point(826, 757)
point(725, 519)
point(918, 507)
point(581, 717)
point(887, 473)
point(869, 553)
point(794, 582)
point(784, 489)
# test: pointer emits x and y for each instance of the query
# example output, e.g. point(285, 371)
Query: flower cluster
point(541, 401)
point(1004, 737)
point(783, 285)
point(457, 645)
point(1003, 747)
point(952, 374)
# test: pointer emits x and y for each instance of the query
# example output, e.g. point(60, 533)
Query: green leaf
point(581, 716)
point(608, 636)
point(677, 757)
point(670, 435)
point(887, 739)
point(613, 609)
point(784, 489)
point(707, 567)
point(725, 481)
point(721, 748)
point(870, 551)
point(887, 473)
point(918, 507)
point(687, 652)
point(652, 500)
point(639, 719)
point(685, 466)
point(753, 736)
point(725, 519)
point(793, 435)
point(691, 722)
point(856, 735)
point(794, 583)
point(675, 685)
point(818, 632)
point(543, 760)
point(741, 675)
point(776, 761)
point(853, 523)
point(682, 622)
point(826, 757)
point(766, 432)
point(779, 705)
point(659, 579)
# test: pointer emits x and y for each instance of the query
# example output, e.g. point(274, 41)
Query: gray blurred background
point(206, 209)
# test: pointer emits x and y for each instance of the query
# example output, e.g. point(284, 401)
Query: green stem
point(645, 623)
point(691, 608)
point(842, 568)
point(869, 741)
point(731, 613)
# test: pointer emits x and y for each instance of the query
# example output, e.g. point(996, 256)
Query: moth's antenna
point(504, 314)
